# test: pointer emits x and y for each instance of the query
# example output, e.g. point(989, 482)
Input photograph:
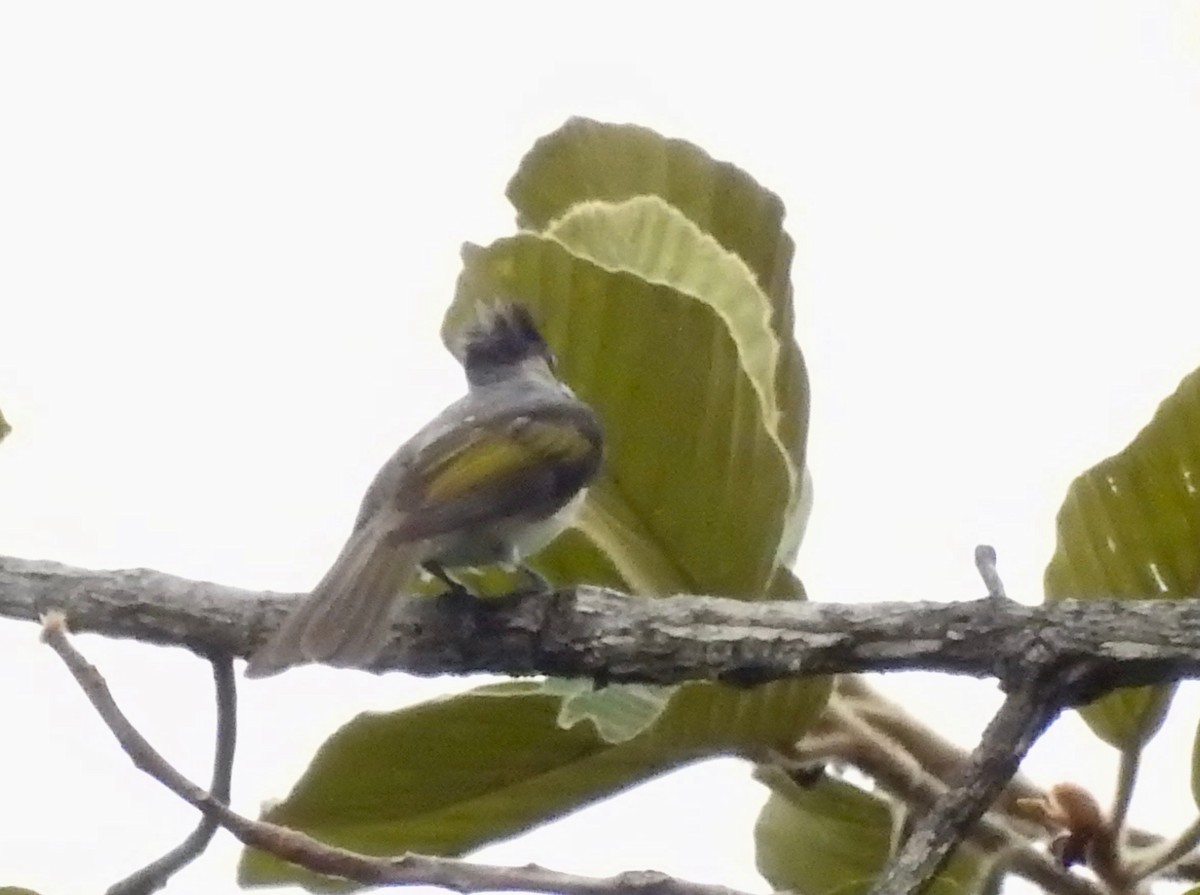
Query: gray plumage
point(491, 479)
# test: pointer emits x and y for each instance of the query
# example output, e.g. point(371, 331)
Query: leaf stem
point(1127, 771)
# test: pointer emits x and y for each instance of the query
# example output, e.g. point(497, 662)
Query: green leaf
point(1130, 528)
point(453, 774)
point(1127, 718)
point(5, 428)
point(587, 161)
point(834, 837)
point(655, 241)
point(619, 711)
point(694, 494)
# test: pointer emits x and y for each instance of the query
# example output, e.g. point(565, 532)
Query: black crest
point(504, 334)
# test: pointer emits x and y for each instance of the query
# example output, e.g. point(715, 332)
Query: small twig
point(1026, 712)
point(985, 562)
point(318, 857)
point(1158, 859)
point(155, 875)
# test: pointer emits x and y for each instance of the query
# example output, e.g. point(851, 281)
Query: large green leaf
point(586, 159)
point(694, 493)
point(1130, 528)
point(651, 239)
point(453, 774)
point(586, 162)
point(833, 837)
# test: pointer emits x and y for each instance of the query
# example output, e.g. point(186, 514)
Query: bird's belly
point(505, 541)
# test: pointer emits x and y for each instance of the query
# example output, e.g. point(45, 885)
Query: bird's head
point(504, 341)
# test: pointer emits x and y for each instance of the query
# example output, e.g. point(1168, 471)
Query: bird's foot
point(455, 590)
point(534, 584)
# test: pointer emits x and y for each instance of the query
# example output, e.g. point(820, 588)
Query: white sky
point(228, 232)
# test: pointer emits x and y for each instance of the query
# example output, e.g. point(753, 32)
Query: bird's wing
point(531, 464)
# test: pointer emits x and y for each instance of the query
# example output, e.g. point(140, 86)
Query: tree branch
point(1025, 713)
point(298, 848)
point(586, 631)
point(934, 754)
point(843, 735)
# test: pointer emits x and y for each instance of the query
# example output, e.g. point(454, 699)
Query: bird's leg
point(536, 582)
point(530, 583)
point(458, 597)
point(455, 590)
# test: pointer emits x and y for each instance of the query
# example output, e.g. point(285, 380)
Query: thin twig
point(461, 876)
point(1027, 711)
point(985, 562)
point(1155, 860)
point(155, 875)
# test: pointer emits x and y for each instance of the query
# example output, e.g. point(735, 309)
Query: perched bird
point(493, 478)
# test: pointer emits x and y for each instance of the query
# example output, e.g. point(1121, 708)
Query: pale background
point(228, 231)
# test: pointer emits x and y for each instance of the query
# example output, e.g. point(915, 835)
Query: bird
point(490, 480)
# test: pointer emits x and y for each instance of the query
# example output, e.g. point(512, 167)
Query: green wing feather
point(489, 457)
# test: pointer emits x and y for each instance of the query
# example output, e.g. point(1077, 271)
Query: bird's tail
point(346, 620)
